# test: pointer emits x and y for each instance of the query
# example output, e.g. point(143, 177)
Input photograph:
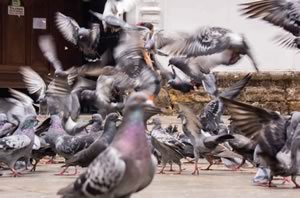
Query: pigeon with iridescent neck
point(19, 145)
point(127, 165)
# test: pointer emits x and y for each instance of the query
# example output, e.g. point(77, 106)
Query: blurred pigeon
point(206, 146)
point(207, 41)
point(85, 39)
point(169, 147)
point(19, 145)
point(126, 166)
point(86, 156)
point(281, 13)
point(210, 116)
point(279, 146)
point(17, 107)
point(174, 77)
point(6, 128)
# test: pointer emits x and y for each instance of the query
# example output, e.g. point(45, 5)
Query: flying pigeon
point(86, 40)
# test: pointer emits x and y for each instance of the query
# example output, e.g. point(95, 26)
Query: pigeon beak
point(150, 106)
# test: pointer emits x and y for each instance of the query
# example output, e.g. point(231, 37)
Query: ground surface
point(220, 182)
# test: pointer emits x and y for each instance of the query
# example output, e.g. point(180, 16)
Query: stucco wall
point(189, 14)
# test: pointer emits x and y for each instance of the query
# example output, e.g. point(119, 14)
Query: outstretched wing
point(33, 81)
point(205, 41)
point(282, 13)
point(68, 27)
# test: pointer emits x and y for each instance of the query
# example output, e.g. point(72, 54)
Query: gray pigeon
point(97, 125)
point(17, 107)
point(19, 145)
point(85, 157)
point(126, 166)
point(66, 145)
point(281, 13)
point(85, 39)
point(6, 127)
point(75, 128)
point(210, 116)
point(212, 44)
point(171, 149)
point(206, 146)
point(279, 146)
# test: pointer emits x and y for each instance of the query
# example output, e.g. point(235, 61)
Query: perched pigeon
point(281, 13)
point(66, 145)
point(85, 39)
point(126, 166)
point(19, 145)
point(6, 127)
point(73, 128)
point(206, 146)
point(97, 124)
point(279, 146)
point(85, 157)
point(171, 149)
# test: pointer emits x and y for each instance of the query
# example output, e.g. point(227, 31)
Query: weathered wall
point(277, 91)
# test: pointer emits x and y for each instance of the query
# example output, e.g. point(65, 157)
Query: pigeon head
point(97, 118)
point(113, 117)
point(29, 122)
point(156, 121)
point(140, 100)
point(3, 117)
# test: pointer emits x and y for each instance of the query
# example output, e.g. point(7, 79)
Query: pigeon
point(175, 78)
point(60, 94)
point(127, 165)
point(206, 146)
point(96, 126)
point(279, 147)
point(19, 145)
point(66, 145)
point(85, 39)
point(133, 60)
point(210, 116)
point(6, 127)
point(281, 13)
point(85, 157)
point(210, 40)
point(171, 149)
point(243, 146)
point(73, 128)
point(17, 107)
point(38, 154)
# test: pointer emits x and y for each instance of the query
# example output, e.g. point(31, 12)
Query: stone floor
point(220, 182)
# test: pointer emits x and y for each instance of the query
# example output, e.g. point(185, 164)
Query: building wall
point(187, 15)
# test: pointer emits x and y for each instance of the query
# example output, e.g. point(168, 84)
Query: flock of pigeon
point(119, 152)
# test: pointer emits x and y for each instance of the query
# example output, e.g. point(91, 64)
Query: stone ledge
point(277, 91)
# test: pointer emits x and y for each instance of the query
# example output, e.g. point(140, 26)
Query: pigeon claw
point(196, 171)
